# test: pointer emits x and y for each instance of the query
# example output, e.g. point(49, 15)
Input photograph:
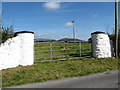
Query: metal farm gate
point(53, 51)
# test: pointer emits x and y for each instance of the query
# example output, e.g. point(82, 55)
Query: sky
point(53, 20)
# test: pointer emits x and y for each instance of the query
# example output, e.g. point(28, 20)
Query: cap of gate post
point(98, 32)
point(21, 32)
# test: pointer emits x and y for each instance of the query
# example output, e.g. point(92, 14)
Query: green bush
point(6, 33)
point(112, 37)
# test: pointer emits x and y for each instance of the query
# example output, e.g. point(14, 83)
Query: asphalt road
point(101, 80)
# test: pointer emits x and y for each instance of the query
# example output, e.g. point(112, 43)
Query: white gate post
point(26, 47)
point(101, 46)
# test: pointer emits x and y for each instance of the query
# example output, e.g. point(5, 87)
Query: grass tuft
point(44, 71)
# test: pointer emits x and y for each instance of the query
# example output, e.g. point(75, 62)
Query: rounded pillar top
point(22, 32)
point(98, 32)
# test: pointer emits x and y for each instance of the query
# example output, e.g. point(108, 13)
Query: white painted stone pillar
point(101, 46)
point(10, 53)
point(18, 50)
point(26, 47)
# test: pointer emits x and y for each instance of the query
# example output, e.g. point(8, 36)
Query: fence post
point(66, 48)
point(51, 51)
point(91, 49)
point(80, 47)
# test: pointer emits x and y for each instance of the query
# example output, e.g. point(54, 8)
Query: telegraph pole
point(116, 28)
point(1, 22)
point(73, 31)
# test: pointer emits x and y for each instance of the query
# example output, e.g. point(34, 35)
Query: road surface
point(102, 80)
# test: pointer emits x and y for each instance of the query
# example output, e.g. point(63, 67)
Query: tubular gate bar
point(61, 51)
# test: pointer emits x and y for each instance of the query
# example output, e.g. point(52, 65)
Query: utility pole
point(73, 31)
point(116, 28)
point(1, 22)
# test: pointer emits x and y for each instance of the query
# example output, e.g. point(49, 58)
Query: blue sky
point(53, 19)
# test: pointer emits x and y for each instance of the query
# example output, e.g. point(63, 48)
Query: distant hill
point(60, 40)
point(70, 40)
point(44, 40)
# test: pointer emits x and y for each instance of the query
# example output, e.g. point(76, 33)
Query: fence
point(50, 51)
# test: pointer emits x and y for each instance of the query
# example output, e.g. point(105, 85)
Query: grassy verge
point(44, 71)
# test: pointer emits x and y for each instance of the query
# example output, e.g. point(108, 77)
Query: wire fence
point(52, 51)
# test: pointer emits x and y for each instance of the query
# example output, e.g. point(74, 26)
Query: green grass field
point(53, 70)
point(61, 50)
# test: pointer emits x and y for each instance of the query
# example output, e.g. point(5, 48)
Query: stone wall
point(18, 50)
point(101, 45)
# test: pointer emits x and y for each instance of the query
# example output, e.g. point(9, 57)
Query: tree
point(112, 37)
point(6, 33)
point(89, 40)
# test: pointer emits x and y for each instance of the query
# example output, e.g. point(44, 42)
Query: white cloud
point(52, 5)
point(95, 15)
point(67, 36)
point(66, 11)
point(37, 35)
point(69, 24)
